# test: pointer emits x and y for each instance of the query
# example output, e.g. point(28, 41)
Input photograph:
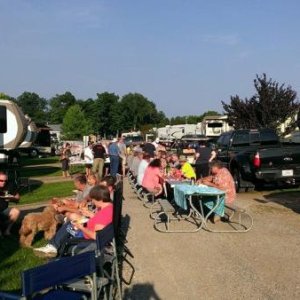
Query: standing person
point(99, 157)
point(88, 157)
point(123, 154)
point(8, 215)
point(114, 156)
point(204, 156)
point(65, 160)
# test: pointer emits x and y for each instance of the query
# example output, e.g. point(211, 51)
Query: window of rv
point(3, 119)
point(214, 125)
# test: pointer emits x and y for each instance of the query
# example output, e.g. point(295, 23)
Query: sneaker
point(49, 249)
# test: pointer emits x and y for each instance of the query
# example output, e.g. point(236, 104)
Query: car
point(133, 140)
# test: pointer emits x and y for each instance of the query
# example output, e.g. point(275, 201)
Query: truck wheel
point(237, 181)
point(33, 153)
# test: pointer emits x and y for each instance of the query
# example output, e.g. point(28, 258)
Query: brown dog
point(35, 222)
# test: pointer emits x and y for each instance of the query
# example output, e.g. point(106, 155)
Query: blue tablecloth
point(208, 194)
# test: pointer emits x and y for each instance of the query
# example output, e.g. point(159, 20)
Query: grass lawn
point(14, 260)
point(27, 161)
point(47, 191)
point(38, 171)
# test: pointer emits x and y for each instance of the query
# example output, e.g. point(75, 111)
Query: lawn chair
point(44, 282)
point(106, 264)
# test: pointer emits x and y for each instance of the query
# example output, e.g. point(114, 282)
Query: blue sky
point(184, 55)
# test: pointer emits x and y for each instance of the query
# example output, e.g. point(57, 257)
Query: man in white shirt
point(88, 157)
point(142, 168)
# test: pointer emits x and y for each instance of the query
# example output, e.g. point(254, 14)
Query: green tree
point(34, 106)
point(75, 124)
point(137, 111)
point(270, 106)
point(107, 115)
point(59, 106)
point(4, 96)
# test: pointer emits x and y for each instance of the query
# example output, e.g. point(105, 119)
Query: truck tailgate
point(284, 159)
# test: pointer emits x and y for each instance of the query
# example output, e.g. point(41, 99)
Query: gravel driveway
point(261, 264)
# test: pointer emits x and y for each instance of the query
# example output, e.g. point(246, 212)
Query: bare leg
point(13, 216)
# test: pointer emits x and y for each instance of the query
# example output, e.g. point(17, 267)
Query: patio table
point(185, 197)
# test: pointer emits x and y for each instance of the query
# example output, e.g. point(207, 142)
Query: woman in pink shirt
point(153, 178)
point(101, 218)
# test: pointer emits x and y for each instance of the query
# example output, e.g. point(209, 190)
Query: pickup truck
point(255, 157)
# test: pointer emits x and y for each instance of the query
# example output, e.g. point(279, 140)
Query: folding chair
point(104, 279)
point(43, 282)
point(120, 236)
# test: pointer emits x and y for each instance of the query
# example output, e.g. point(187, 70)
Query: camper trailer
point(13, 125)
point(214, 126)
point(13, 129)
point(176, 132)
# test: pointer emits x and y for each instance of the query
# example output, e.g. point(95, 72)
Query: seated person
point(153, 178)
point(109, 181)
point(138, 156)
point(72, 205)
point(92, 180)
point(8, 215)
point(96, 221)
point(164, 164)
point(186, 169)
point(222, 180)
point(174, 161)
point(142, 168)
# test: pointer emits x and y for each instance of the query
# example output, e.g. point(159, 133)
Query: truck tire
point(33, 153)
point(237, 181)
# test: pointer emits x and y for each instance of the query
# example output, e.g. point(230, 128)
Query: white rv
point(214, 126)
point(13, 125)
point(174, 132)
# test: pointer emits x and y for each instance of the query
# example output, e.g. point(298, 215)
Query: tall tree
point(137, 110)
point(270, 106)
point(59, 106)
point(107, 115)
point(75, 124)
point(34, 106)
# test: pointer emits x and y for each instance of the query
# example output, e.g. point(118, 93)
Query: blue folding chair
point(43, 282)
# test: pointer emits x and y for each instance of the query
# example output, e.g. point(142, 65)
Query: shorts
point(65, 165)
point(4, 214)
point(88, 166)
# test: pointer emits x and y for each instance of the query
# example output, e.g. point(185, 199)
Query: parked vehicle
point(133, 140)
point(256, 157)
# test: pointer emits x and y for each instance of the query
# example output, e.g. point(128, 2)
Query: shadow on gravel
point(288, 199)
point(141, 291)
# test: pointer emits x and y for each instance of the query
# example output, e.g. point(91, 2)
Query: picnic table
point(191, 199)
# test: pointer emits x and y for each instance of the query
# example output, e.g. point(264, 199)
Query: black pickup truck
point(255, 157)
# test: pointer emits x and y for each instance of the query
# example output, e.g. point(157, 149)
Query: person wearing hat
point(114, 156)
point(186, 168)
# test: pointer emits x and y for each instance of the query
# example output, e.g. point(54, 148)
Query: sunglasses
point(2, 180)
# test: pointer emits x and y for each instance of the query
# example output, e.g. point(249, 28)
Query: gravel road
point(261, 264)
